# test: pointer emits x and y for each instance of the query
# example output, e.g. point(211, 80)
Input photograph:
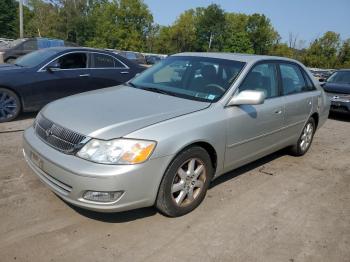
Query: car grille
point(60, 138)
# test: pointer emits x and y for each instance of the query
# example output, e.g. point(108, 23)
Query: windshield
point(340, 77)
point(35, 58)
point(197, 78)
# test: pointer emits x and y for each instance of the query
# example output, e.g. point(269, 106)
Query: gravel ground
point(280, 208)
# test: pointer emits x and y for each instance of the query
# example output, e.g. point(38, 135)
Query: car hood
point(337, 88)
point(8, 68)
point(117, 111)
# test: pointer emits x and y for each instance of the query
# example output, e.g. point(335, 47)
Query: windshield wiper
point(18, 65)
point(161, 91)
point(156, 90)
point(131, 84)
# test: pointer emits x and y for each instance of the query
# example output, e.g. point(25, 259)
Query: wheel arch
point(206, 146)
point(10, 57)
point(315, 116)
point(17, 93)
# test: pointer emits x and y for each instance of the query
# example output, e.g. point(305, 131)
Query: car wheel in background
point(10, 60)
point(10, 105)
point(185, 183)
point(305, 139)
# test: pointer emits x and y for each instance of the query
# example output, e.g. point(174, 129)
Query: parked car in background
point(161, 138)
point(321, 75)
point(17, 48)
point(48, 74)
point(338, 90)
point(135, 57)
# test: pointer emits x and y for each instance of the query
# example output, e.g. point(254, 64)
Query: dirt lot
point(279, 208)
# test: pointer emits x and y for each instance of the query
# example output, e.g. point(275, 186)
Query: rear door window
point(292, 79)
point(105, 61)
point(102, 61)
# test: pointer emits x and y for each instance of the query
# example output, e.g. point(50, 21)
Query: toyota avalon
point(164, 136)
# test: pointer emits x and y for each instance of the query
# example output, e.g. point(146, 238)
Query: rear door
point(106, 70)
point(299, 97)
point(255, 130)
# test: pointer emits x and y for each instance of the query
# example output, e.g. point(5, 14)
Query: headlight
point(118, 151)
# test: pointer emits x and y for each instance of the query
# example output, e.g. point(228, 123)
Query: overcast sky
point(308, 19)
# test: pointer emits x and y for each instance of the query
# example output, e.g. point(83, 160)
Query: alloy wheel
point(188, 182)
point(306, 137)
point(8, 105)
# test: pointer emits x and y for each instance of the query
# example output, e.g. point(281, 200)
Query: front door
point(255, 130)
point(69, 76)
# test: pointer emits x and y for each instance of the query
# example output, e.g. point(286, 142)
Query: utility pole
point(20, 18)
point(210, 40)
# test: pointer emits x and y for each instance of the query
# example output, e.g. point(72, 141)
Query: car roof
point(247, 58)
point(70, 48)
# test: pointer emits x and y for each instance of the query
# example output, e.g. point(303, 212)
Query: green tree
point(261, 33)
point(323, 51)
point(45, 21)
point(344, 55)
point(8, 14)
point(236, 39)
point(210, 28)
point(163, 43)
point(281, 50)
point(183, 32)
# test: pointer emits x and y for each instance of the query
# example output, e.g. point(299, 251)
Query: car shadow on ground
point(24, 116)
point(246, 168)
point(339, 116)
point(132, 215)
point(120, 217)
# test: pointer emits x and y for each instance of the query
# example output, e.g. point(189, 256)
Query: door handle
point(278, 112)
point(84, 75)
point(309, 102)
point(125, 72)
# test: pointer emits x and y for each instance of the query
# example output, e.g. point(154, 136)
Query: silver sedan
point(161, 138)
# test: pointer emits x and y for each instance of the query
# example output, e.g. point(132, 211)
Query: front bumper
point(338, 105)
point(70, 177)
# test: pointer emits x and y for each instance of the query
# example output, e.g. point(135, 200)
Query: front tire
point(305, 139)
point(10, 105)
point(185, 183)
point(10, 60)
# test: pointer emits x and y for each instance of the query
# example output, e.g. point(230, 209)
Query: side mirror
point(53, 67)
point(322, 80)
point(248, 97)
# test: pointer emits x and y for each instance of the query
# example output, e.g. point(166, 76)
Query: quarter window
point(262, 77)
point(292, 79)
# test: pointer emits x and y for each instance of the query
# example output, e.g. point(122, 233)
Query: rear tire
point(185, 183)
point(10, 105)
point(305, 139)
point(10, 60)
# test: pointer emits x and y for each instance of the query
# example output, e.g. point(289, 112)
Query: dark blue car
point(49, 74)
point(338, 90)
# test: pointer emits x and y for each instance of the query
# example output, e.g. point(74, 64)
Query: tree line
point(129, 25)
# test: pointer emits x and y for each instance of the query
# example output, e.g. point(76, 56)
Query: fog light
point(102, 196)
